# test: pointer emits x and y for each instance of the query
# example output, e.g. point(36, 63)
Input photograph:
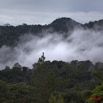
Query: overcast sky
point(45, 11)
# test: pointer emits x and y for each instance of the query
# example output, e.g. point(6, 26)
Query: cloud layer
point(17, 12)
point(80, 45)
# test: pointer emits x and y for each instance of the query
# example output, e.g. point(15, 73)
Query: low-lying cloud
point(80, 45)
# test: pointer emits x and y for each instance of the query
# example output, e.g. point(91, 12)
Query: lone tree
point(42, 58)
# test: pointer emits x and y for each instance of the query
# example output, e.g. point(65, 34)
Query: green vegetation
point(10, 35)
point(51, 82)
point(97, 94)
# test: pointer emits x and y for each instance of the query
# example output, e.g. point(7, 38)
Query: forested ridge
point(9, 34)
point(52, 82)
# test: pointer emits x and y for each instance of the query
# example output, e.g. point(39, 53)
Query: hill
point(9, 35)
point(73, 82)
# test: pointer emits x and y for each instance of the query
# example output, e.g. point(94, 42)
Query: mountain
point(9, 35)
point(64, 24)
point(96, 25)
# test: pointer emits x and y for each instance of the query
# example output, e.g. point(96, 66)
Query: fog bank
point(80, 45)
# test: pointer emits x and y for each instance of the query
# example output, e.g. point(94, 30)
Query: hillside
point(9, 35)
point(46, 80)
point(69, 78)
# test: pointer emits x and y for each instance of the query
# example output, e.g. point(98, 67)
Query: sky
point(43, 12)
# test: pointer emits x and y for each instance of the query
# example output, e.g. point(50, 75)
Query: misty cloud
point(53, 5)
point(17, 18)
point(80, 45)
point(17, 12)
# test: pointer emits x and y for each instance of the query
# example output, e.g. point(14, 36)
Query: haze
point(17, 12)
point(80, 45)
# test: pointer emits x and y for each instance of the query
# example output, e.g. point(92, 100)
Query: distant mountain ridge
point(98, 25)
point(64, 24)
point(9, 35)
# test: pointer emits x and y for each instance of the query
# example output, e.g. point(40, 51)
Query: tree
point(97, 74)
point(56, 97)
point(22, 93)
point(52, 99)
point(60, 99)
point(41, 59)
point(97, 93)
point(4, 92)
point(44, 80)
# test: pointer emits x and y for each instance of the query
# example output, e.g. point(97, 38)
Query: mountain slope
point(64, 24)
point(9, 35)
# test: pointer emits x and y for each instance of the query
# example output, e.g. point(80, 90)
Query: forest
point(52, 82)
point(10, 35)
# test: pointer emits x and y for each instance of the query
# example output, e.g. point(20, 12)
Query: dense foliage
point(51, 82)
point(46, 81)
point(9, 35)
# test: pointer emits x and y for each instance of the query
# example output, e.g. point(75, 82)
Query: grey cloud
point(44, 11)
point(33, 5)
point(80, 45)
point(46, 17)
point(53, 5)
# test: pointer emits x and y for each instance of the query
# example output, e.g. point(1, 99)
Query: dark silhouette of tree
point(41, 59)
